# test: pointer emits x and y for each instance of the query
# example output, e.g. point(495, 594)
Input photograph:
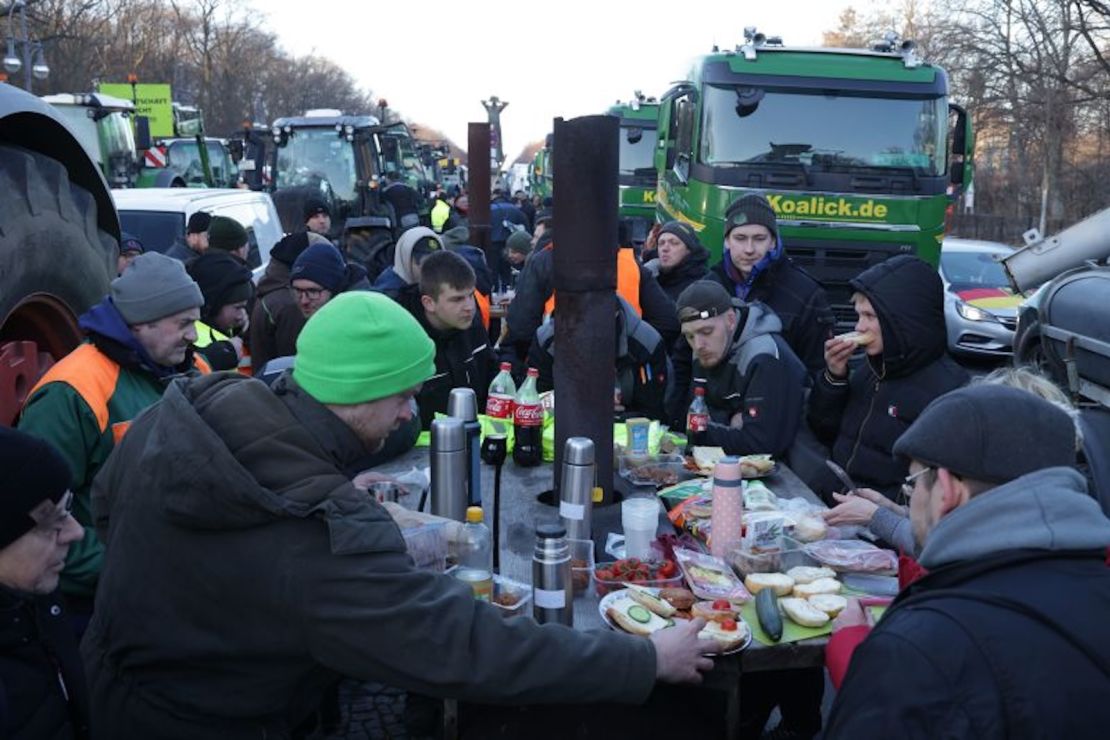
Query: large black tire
point(49, 240)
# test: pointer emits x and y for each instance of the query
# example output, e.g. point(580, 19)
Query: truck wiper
point(771, 164)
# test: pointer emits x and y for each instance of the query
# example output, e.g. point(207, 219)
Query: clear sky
point(436, 60)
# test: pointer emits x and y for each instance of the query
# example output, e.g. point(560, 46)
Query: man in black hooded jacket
point(900, 303)
point(681, 259)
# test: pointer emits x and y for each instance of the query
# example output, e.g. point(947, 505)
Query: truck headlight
point(973, 313)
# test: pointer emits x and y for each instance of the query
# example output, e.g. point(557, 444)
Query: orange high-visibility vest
point(628, 283)
point(483, 307)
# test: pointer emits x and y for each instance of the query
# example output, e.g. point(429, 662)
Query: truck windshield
point(184, 159)
point(637, 150)
point(823, 130)
point(314, 155)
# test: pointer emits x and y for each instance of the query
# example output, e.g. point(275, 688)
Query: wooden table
point(521, 510)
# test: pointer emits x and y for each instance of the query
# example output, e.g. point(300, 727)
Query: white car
point(157, 216)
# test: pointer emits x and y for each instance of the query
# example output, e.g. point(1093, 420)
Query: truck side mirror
point(142, 133)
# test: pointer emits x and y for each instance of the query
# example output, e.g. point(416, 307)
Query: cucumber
point(639, 614)
point(767, 609)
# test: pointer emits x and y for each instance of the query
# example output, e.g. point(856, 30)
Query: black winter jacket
point(797, 298)
point(861, 419)
point(761, 379)
point(677, 279)
point(1005, 637)
point(534, 287)
point(38, 653)
point(642, 367)
point(463, 360)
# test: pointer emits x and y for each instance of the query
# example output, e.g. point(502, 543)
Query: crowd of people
point(199, 530)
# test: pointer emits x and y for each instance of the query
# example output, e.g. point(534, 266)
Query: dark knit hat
point(990, 433)
point(153, 287)
point(684, 232)
point(198, 223)
point(322, 264)
point(702, 300)
point(456, 237)
point(519, 241)
point(751, 209)
point(222, 279)
point(289, 248)
point(226, 233)
point(33, 472)
point(130, 243)
point(314, 206)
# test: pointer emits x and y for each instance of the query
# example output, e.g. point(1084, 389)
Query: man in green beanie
point(245, 573)
point(229, 235)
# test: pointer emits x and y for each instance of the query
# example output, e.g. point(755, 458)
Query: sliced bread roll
point(650, 600)
point(728, 639)
point(820, 586)
point(803, 613)
point(831, 604)
point(809, 574)
point(624, 614)
point(780, 583)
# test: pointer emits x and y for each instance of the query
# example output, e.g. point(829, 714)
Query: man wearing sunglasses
point(1006, 635)
point(42, 685)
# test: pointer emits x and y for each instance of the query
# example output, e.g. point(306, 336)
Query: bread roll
point(820, 586)
point(780, 583)
point(860, 338)
point(809, 574)
point(679, 598)
point(728, 639)
point(810, 529)
point(705, 610)
point(803, 613)
point(651, 602)
point(831, 604)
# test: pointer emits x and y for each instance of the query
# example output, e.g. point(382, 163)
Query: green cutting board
point(791, 631)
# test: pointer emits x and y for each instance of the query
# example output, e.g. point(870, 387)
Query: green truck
point(637, 174)
point(860, 152)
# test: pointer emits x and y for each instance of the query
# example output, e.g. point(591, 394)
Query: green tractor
point(201, 161)
point(860, 152)
point(637, 174)
point(541, 178)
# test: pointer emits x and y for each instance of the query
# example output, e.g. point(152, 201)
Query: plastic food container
point(617, 581)
point(581, 564)
point(654, 470)
point(510, 597)
point(789, 556)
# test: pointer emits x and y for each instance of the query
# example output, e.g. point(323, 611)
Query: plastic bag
point(853, 556)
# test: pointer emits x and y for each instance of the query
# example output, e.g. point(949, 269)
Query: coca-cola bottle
point(697, 417)
point(502, 391)
point(528, 423)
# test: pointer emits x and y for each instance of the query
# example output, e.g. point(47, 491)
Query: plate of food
point(644, 611)
point(704, 459)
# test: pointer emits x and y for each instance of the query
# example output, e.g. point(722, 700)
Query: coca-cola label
point(696, 423)
point(499, 407)
point(528, 415)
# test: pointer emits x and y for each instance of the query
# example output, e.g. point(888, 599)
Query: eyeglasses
point(311, 294)
point(49, 519)
point(910, 482)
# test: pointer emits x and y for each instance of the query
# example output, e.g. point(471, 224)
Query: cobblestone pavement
point(373, 711)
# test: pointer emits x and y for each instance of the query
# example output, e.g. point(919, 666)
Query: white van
point(157, 216)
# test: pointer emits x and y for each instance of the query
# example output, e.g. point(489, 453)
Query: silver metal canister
point(448, 454)
point(576, 487)
point(551, 585)
point(463, 404)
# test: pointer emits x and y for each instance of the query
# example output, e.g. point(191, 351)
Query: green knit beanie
point(361, 346)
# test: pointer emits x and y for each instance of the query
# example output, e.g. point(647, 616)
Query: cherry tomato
point(729, 625)
point(604, 575)
point(632, 563)
point(722, 604)
point(668, 569)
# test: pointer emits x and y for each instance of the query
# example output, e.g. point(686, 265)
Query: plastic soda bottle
point(528, 423)
point(502, 391)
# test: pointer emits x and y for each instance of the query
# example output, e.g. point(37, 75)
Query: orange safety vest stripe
point(94, 375)
point(483, 307)
point(89, 372)
point(628, 283)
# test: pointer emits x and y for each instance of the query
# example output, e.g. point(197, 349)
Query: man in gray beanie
point(139, 338)
point(1006, 633)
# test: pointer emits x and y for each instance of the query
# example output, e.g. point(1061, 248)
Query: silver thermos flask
point(448, 455)
point(551, 584)
point(463, 404)
point(576, 487)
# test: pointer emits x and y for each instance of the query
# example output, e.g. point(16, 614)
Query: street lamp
point(12, 63)
point(39, 69)
point(33, 59)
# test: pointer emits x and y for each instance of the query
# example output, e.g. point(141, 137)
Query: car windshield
point(157, 230)
point(184, 159)
point(965, 269)
point(314, 155)
point(637, 150)
point(823, 130)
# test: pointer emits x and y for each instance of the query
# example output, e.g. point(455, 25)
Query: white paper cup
point(639, 519)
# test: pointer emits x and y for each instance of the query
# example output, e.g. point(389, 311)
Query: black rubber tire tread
point(49, 240)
